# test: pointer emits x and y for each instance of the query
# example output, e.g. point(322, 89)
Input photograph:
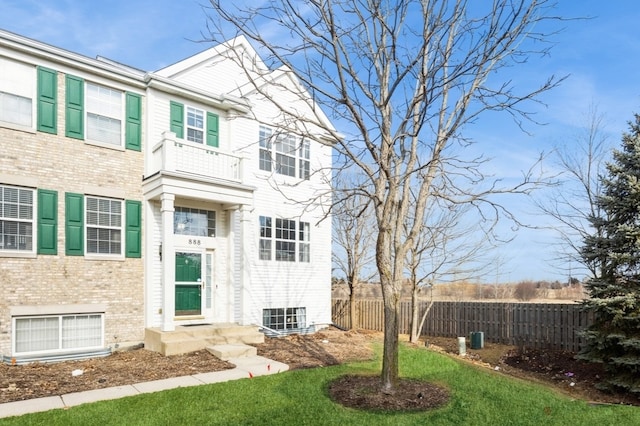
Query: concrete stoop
point(185, 339)
point(227, 352)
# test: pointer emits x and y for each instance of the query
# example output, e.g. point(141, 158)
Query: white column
point(245, 265)
point(168, 263)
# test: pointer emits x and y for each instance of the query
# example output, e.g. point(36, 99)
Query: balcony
point(178, 155)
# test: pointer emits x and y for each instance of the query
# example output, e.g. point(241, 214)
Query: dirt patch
point(37, 380)
point(365, 392)
point(324, 348)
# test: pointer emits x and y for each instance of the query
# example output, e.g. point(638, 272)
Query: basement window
point(284, 318)
point(58, 333)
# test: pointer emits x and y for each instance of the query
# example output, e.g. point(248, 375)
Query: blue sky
point(601, 55)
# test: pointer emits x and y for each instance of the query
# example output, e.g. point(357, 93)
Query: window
point(200, 126)
point(305, 156)
point(284, 238)
point(286, 153)
point(201, 223)
point(305, 246)
point(284, 318)
point(16, 219)
point(265, 148)
point(59, 333)
point(104, 225)
point(15, 109)
point(104, 113)
point(17, 92)
point(265, 238)
point(195, 125)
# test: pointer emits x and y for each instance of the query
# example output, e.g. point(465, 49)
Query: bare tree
point(403, 78)
point(353, 234)
point(572, 202)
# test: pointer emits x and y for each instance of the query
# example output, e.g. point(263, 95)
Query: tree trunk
point(415, 329)
point(353, 312)
point(390, 354)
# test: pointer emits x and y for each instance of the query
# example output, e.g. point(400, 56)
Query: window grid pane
point(16, 219)
point(81, 331)
point(305, 164)
point(265, 148)
point(196, 222)
point(104, 226)
point(285, 251)
point(104, 114)
point(195, 125)
point(304, 247)
point(265, 250)
point(37, 334)
point(284, 319)
point(265, 238)
point(285, 155)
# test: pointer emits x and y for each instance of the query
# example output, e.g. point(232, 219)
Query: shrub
point(525, 290)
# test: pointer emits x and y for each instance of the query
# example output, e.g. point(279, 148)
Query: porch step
point(226, 352)
point(187, 339)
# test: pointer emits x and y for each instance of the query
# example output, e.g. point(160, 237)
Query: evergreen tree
point(613, 250)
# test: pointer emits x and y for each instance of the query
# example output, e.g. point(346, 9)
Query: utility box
point(477, 339)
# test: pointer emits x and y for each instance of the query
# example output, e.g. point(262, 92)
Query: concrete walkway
point(246, 367)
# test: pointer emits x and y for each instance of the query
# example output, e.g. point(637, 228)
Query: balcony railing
point(177, 155)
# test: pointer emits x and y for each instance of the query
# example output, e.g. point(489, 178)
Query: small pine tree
point(614, 250)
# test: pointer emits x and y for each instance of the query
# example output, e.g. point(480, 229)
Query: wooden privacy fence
point(532, 325)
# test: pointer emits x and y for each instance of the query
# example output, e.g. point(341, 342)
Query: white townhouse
point(135, 204)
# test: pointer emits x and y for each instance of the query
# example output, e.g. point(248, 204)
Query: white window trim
point(104, 256)
point(8, 87)
point(274, 240)
point(300, 153)
point(203, 129)
point(121, 145)
point(34, 227)
point(60, 349)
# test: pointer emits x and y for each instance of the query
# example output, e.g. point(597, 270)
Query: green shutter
point(74, 115)
point(47, 222)
point(212, 129)
point(133, 220)
point(177, 119)
point(47, 100)
point(74, 224)
point(133, 130)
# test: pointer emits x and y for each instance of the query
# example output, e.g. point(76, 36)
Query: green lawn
point(479, 397)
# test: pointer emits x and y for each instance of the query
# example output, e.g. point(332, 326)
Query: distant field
point(526, 291)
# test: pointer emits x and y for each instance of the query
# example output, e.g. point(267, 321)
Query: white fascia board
point(70, 59)
point(224, 102)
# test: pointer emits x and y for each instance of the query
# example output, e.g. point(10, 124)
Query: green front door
point(188, 283)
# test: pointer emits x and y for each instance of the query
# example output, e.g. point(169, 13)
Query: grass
point(478, 397)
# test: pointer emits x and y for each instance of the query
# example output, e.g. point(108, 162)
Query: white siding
point(154, 276)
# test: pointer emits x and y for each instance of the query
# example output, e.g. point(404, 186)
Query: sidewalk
point(246, 367)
